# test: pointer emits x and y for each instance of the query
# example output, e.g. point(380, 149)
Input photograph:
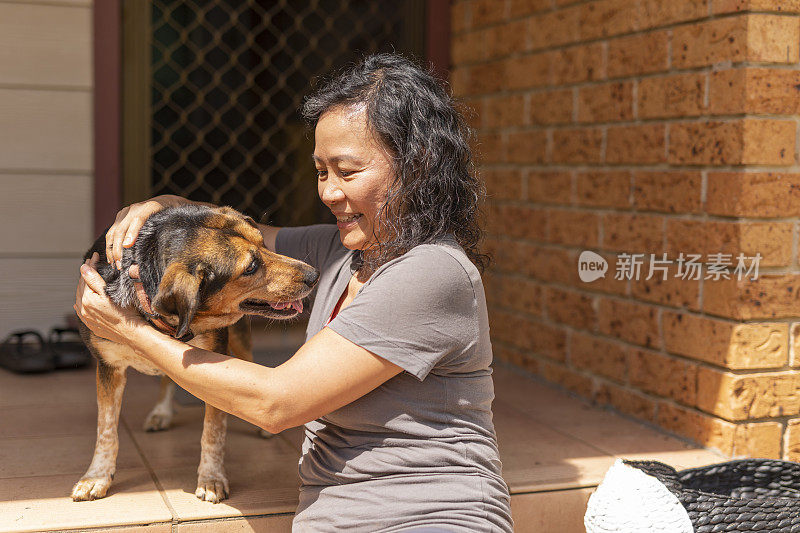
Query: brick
point(604, 18)
point(759, 439)
point(506, 39)
point(483, 79)
point(745, 141)
point(517, 221)
point(773, 38)
point(647, 371)
point(551, 107)
point(626, 401)
point(485, 12)
point(656, 13)
point(706, 430)
point(502, 184)
point(504, 111)
point(724, 343)
point(606, 103)
point(628, 321)
point(515, 293)
point(748, 396)
point(603, 189)
point(546, 264)
point(667, 191)
point(577, 145)
point(573, 228)
point(528, 333)
point(794, 344)
point(532, 70)
point(489, 148)
point(570, 307)
point(710, 42)
point(636, 144)
point(527, 146)
point(633, 233)
point(458, 17)
point(550, 187)
point(473, 111)
point(755, 90)
point(554, 28)
point(470, 47)
point(706, 143)
point(768, 297)
point(791, 441)
point(519, 8)
point(680, 95)
point(730, 6)
point(773, 240)
point(638, 54)
point(753, 195)
point(665, 288)
point(569, 379)
point(769, 142)
point(584, 62)
point(599, 356)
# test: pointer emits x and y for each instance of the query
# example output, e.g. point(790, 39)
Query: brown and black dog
point(200, 270)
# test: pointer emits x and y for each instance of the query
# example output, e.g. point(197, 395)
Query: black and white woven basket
point(745, 495)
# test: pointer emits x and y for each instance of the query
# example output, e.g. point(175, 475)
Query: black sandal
point(23, 357)
point(69, 353)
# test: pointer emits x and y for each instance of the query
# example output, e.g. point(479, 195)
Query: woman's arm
point(327, 372)
point(270, 233)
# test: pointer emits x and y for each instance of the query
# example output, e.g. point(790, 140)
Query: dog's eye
point(252, 268)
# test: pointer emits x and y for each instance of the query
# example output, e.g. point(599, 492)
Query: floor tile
point(42, 503)
point(536, 457)
point(49, 456)
point(558, 511)
point(259, 524)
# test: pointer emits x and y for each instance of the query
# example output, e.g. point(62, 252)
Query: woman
point(393, 383)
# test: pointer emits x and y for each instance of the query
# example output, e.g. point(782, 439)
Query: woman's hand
point(122, 234)
point(95, 309)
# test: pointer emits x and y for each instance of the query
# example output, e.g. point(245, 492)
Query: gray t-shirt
point(421, 448)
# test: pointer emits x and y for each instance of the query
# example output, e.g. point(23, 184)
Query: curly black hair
point(436, 191)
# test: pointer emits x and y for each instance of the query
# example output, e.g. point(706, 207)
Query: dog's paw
point(157, 421)
point(212, 489)
point(91, 488)
point(266, 434)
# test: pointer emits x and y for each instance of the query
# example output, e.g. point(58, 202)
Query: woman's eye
point(321, 173)
point(346, 173)
point(251, 268)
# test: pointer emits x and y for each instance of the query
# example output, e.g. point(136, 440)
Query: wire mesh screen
point(228, 80)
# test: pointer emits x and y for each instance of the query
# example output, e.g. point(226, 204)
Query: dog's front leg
point(212, 483)
point(97, 479)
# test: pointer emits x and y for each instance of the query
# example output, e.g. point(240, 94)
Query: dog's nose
point(311, 276)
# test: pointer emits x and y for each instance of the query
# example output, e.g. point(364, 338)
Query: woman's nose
point(331, 193)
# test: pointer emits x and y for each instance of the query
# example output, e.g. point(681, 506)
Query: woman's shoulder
point(442, 264)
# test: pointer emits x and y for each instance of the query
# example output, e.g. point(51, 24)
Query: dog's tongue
point(298, 305)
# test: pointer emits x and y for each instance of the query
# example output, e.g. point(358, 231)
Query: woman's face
point(353, 174)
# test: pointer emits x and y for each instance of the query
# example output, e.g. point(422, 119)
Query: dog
point(197, 271)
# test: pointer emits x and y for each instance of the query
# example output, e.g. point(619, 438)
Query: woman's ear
point(179, 294)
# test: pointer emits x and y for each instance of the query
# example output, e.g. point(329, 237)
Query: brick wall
point(644, 126)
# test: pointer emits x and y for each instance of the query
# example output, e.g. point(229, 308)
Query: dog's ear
point(179, 294)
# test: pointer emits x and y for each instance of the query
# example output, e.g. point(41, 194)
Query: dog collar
point(156, 320)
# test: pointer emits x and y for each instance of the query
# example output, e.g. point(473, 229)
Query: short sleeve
point(416, 312)
point(311, 244)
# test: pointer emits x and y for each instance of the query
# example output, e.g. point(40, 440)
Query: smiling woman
point(394, 381)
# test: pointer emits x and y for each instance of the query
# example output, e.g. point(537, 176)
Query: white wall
point(46, 175)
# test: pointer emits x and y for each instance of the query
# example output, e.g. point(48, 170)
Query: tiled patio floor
point(554, 450)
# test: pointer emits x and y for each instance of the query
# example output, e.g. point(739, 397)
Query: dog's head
point(211, 267)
